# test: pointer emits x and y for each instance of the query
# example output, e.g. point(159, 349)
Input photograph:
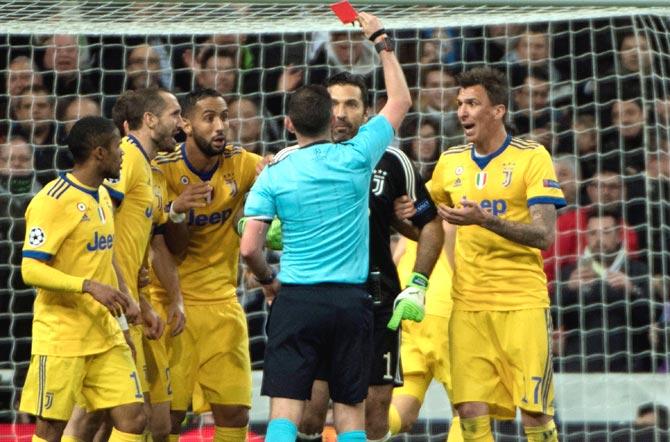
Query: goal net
point(590, 80)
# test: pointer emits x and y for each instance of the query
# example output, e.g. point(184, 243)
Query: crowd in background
point(595, 93)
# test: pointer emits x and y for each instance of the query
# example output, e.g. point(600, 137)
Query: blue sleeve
point(260, 202)
point(372, 139)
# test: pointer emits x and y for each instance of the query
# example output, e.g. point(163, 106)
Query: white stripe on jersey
point(284, 153)
point(410, 179)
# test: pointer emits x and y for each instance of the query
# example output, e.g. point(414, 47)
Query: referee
point(394, 176)
point(322, 314)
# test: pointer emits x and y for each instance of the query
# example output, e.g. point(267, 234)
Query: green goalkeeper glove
point(273, 239)
point(409, 303)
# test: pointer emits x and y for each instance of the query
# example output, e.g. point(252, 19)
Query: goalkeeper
point(321, 315)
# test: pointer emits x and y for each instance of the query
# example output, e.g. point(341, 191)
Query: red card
point(344, 11)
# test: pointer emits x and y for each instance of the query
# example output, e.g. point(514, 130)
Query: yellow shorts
point(503, 358)
point(424, 352)
point(105, 380)
point(137, 335)
point(213, 352)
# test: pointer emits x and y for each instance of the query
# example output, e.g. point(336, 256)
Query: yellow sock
point(455, 432)
point(173, 438)
point(120, 436)
point(543, 433)
point(70, 438)
point(477, 429)
point(395, 423)
point(36, 438)
point(230, 434)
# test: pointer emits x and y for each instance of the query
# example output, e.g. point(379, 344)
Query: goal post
point(588, 79)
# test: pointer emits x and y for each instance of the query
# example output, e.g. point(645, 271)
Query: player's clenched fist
point(115, 301)
point(192, 197)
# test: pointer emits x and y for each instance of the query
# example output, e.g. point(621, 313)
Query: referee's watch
point(385, 44)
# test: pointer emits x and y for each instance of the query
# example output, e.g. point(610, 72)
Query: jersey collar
point(205, 176)
point(314, 143)
point(135, 142)
point(482, 162)
point(70, 179)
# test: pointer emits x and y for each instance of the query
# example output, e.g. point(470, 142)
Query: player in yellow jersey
point(502, 194)
point(213, 351)
point(78, 350)
point(425, 345)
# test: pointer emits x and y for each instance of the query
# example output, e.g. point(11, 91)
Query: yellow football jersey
point(161, 207)
point(493, 273)
point(208, 273)
point(438, 296)
point(134, 216)
point(70, 227)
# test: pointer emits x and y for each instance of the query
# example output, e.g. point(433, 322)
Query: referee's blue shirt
point(320, 193)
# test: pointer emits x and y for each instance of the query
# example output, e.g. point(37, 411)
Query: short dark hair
point(604, 211)
point(347, 78)
point(190, 100)
point(142, 101)
point(493, 81)
point(120, 109)
point(87, 134)
point(433, 67)
point(310, 109)
point(213, 51)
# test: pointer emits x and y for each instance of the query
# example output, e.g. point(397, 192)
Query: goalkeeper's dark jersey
point(393, 176)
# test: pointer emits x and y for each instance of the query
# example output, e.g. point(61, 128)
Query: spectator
point(652, 415)
point(76, 108)
point(605, 303)
point(246, 125)
point(21, 74)
point(531, 107)
point(623, 144)
point(63, 61)
point(582, 140)
point(35, 122)
point(143, 68)
point(437, 101)
point(218, 71)
point(491, 43)
point(421, 143)
point(16, 171)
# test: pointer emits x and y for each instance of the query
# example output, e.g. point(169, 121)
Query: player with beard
point(213, 350)
point(394, 176)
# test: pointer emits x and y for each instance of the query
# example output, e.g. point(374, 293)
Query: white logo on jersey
point(184, 179)
point(508, 177)
point(113, 180)
point(81, 207)
point(459, 170)
point(233, 187)
point(378, 180)
point(36, 237)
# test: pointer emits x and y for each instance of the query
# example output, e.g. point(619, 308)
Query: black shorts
point(312, 326)
point(386, 368)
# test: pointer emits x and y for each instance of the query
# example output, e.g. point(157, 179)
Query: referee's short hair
point(347, 78)
point(493, 81)
point(310, 109)
point(87, 134)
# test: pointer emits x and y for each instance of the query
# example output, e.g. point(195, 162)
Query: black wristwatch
point(385, 44)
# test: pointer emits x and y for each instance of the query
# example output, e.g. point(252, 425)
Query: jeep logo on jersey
point(497, 207)
point(480, 180)
point(378, 180)
point(100, 242)
point(203, 219)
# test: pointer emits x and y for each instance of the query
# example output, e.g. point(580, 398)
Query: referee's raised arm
point(399, 99)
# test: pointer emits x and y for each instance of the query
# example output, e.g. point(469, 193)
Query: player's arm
point(177, 234)
point(133, 311)
point(166, 271)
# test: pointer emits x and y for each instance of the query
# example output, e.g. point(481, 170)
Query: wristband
point(376, 34)
point(123, 322)
point(267, 281)
point(176, 218)
point(418, 280)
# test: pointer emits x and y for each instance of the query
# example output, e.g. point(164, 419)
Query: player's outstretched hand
point(467, 213)
point(193, 196)
point(143, 278)
point(369, 23)
point(270, 290)
point(133, 313)
point(403, 207)
point(114, 300)
point(408, 305)
point(176, 317)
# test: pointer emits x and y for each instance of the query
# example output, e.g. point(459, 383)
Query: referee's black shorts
point(312, 326)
